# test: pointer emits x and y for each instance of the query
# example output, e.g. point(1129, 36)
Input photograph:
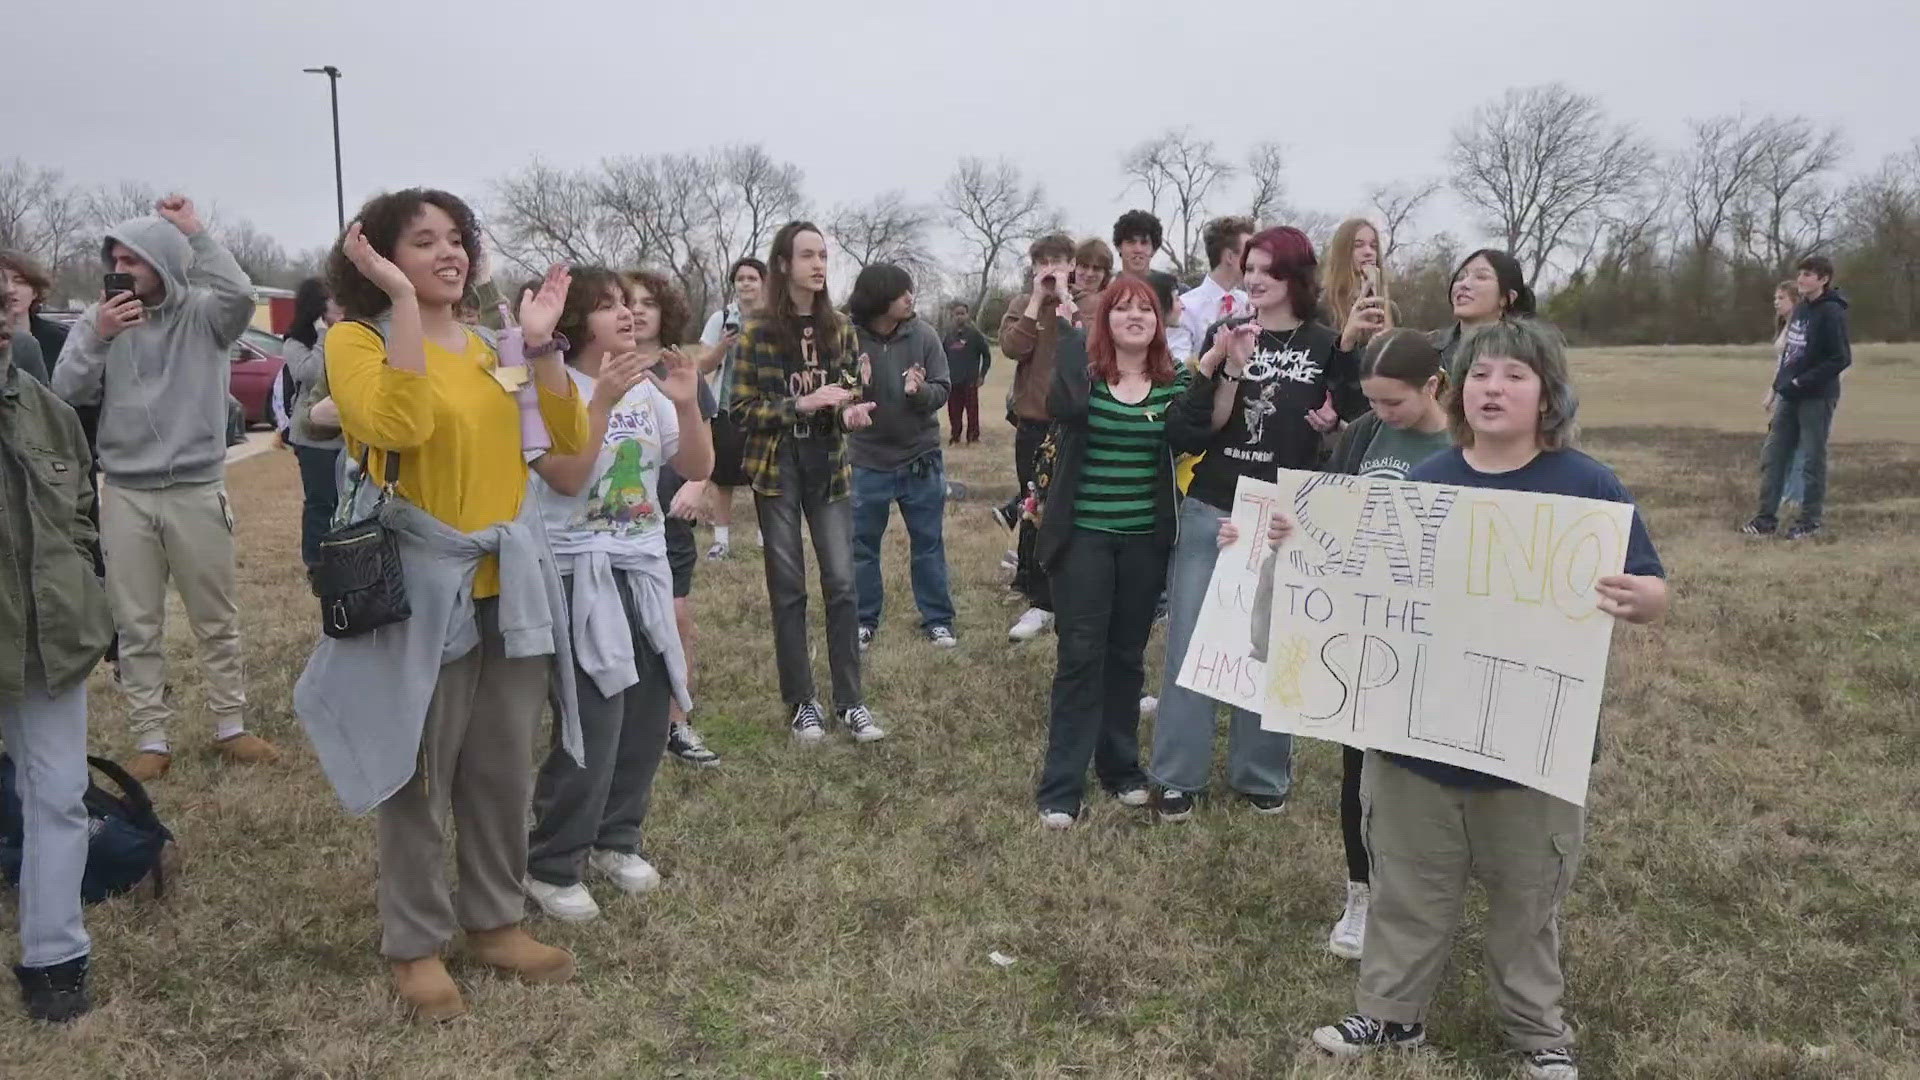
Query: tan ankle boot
point(427, 990)
point(149, 765)
point(248, 749)
point(513, 950)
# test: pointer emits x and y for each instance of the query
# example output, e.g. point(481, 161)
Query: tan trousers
point(1425, 839)
point(184, 532)
point(477, 760)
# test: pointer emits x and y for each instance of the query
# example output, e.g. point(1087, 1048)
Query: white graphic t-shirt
point(621, 503)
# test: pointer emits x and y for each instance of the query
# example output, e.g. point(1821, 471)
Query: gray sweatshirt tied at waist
point(364, 700)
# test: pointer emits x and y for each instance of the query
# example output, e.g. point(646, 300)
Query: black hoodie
point(1817, 349)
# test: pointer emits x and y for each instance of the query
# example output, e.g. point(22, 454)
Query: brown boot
point(512, 949)
point(247, 749)
point(427, 990)
point(149, 765)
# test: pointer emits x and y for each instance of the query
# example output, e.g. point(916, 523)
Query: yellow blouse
point(456, 428)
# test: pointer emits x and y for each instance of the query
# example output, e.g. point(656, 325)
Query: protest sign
point(1452, 624)
point(1219, 661)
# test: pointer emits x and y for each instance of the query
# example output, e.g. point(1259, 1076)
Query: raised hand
point(618, 375)
point(916, 379)
point(179, 212)
point(374, 266)
point(1368, 317)
point(678, 377)
point(1241, 340)
point(540, 311)
point(116, 313)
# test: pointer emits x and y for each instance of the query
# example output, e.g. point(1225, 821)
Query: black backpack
point(125, 840)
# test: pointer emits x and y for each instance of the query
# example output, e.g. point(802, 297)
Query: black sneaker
point(686, 744)
point(1265, 804)
point(1804, 530)
point(1358, 1034)
point(860, 724)
point(809, 723)
point(866, 637)
point(1171, 805)
point(1760, 526)
point(1554, 1064)
point(55, 994)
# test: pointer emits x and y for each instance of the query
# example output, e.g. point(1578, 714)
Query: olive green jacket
point(47, 583)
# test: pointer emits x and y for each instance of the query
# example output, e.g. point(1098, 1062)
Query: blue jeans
point(320, 480)
point(920, 487)
point(1258, 762)
point(1799, 426)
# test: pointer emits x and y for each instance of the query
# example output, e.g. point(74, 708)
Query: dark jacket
point(968, 355)
point(46, 542)
point(905, 428)
point(1067, 404)
point(51, 336)
point(1817, 349)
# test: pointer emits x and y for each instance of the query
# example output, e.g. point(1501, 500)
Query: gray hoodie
point(162, 386)
point(905, 427)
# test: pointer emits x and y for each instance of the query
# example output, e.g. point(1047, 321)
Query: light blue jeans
point(1258, 762)
point(47, 738)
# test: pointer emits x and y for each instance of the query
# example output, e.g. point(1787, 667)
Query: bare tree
point(257, 252)
point(109, 206)
point(1183, 170)
point(1789, 212)
point(1542, 164)
point(750, 195)
point(1266, 169)
point(544, 215)
point(657, 202)
point(992, 208)
point(1395, 206)
point(1717, 173)
point(24, 192)
point(887, 228)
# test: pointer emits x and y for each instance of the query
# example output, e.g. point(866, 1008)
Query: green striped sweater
point(1126, 446)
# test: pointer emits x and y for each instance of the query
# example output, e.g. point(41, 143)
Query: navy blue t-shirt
point(1553, 472)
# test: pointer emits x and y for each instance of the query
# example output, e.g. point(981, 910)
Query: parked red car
point(256, 364)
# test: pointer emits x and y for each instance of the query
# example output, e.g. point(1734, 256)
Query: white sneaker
point(568, 903)
point(1031, 625)
point(1349, 935)
point(1148, 707)
point(1056, 819)
point(631, 873)
point(1134, 796)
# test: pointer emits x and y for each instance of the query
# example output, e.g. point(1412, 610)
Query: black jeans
point(1029, 577)
point(1108, 585)
point(1351, 761)
point(1798, 425)
point(831, 524)
point(319, 479)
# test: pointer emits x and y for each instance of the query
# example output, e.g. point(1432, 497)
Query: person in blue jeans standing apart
point(903, 372)
point(1806, 390)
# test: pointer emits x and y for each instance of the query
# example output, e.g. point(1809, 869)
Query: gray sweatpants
point(1426, 839)
point(602, 804)
point(473, 760)
point(47, 738)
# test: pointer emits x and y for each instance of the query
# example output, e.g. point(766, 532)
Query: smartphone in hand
point(112, 285)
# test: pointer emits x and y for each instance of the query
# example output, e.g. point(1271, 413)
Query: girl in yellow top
point(430, 389)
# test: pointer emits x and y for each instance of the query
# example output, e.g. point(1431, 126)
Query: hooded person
point(156, 362)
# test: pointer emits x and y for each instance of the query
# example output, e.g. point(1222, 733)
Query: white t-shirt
point(621, 503)
point(711, 335)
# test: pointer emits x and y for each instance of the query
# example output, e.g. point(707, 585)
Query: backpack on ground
point(126, 843)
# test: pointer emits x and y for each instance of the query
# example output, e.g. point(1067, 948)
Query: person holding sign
point(1106, 526)
point(1246, 411)
point(1430, 826)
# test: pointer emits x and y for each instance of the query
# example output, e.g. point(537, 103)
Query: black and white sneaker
point(1554, 1064)
point(1265, 804)
point(1173, 805)
point(866, 637)
point(860, 724)
point(1804, 530)
point(1358, 1034)
point(686, 744)
point(1760, 526)
point(809, 724)
point(943, 637)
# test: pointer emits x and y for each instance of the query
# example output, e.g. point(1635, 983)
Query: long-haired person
point(1816, 353)
point(606, 520)
point(1785, 296)
point(435, 716)
point(897, 458)
point(1105, 532)
point(1353, 296)
point(23, 282)
point(1404, 383)
point(1430, 826)
point(791, 397)
point(1254, 384)
point(721, 337)
point(1488, 286)
point(317, 450)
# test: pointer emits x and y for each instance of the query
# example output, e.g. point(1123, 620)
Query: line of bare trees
point(1627, 241)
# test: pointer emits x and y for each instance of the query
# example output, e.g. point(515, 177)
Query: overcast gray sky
point(207, 95)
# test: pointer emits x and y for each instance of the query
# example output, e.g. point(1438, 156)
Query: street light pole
point(339, 188)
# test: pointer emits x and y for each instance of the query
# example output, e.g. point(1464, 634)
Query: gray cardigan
point(364, 700)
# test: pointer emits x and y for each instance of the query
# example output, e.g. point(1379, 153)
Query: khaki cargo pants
point(1425, 840)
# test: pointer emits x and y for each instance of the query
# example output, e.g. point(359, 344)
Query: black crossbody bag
point(359, 581)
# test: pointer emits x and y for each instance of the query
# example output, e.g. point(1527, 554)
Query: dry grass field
point(1749, 906)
